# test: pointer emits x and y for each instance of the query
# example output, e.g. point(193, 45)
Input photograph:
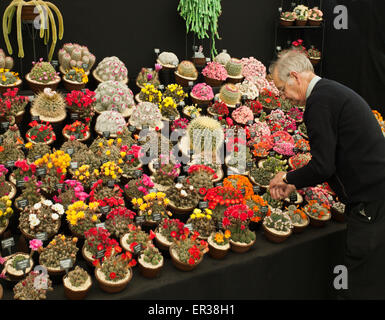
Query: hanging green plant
point(201, 17)
point(47, 19)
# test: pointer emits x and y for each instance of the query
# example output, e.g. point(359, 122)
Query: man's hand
point(278, 188)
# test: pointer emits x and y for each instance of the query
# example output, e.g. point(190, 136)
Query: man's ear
point(295, 75)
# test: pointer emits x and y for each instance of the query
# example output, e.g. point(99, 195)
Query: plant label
point(138, 173)
point(8, 243)
point(20, 183)
point(224, 50)
point(295, 150)
point(208, 59)
point(139, 219)
point(172, 118)
point(105, 209)
point(272, 153)
point(131, 128)
point(145, 127)
point(264, 209)
point(219, 184)
point(73, 165)
point(70, 151)
point(156, 50)
point(35, 118)
point(203, 205)
point(191, 152)
point(74, 116)
point(60, 186)
point(153, 190)
point(31, 98)
point(182, 104)
point(23, 265)
point(10, 164)
point(181, 178)
point(220, 225)
point(100, 225)
point(41, 236)
point(190, 83)
point(243, 191)
point(249, 164)
point(156, 165)
point(256, 189)
point(41, 172)
point(157, 217)
point(55, 63)
point(37, 157)
point(100, 254)
point(189, 226)
point(111, 183)
point(66, 264)
point(250, 122)
point(5, 125)
point(237, 105)
point(138, 248)
point(22, 203)
point(106, 134)
point(185, 168)
point(293, 197)
point(252, 134)
point(161, 87)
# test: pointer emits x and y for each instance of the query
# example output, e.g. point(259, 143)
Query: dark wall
point(132, 29)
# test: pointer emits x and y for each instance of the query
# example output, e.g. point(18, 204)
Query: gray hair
point(291, 60)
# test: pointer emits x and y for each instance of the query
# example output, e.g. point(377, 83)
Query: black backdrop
point(132, 29)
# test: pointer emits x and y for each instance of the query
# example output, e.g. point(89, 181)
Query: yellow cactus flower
point(28, 145)
point(193, 216)
point(94, 218)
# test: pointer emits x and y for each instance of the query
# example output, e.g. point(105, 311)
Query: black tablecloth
point(299, 268)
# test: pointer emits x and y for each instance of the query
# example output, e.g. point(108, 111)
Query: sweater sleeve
point(323, 140)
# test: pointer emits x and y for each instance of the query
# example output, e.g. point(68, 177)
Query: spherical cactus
point(168, 58)
point(49, 104)
point(187, 69)
point(110, 121)
point(205, 130)
point(43, 72)
point(75, 55)
point(113, 95)
point(230, 94)
point(8, 78)
point(222, 58)
point(111, 68)
point(5, 62)
point(146, 113)
point(234, 67)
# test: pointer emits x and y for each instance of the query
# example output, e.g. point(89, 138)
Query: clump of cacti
point(202, 222)
point(234, 67)
point(183, 195)
point(205, 130)
point(146, 113)
point(137, 188)
point(201, 177)
point(5, 62)
point(147, 75)
point(43, 72)
point(49, 104)
point(8, 78)
point(61, 247)
point(30, 192)
point(76, 75)
point(137, 236)
point(278, 221)
point(166, 174)
point(222, 58)
point(230, 94)
point(168, 58)
point(88, 158)
point(261, 175)
point(118, 221)
point(75, 145)
point(26, 289)
point(296, 215)
point(111, 68)
point(126, 138)
point(116, 267)
point(187, 69)
point(168, 108)
point(74, 55)
point(113, 95)
point(9, 152)
point(111, 121)
point(152, 255)
point(78, 277)
point(272, 202)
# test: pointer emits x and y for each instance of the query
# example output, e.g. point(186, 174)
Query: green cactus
point(278, 220)
point(152, 255)
point(187, 69)
point(138, 236)
point(115, 265)
point(203, 130)
point(7, 78)
point(75, 55)
point(230, 94)
point(261, 175)
point(183, 195)
point(50, 104)
point(5, 62)
point(111, 68)
point(30, 192)
point(234, 67)
point(25, 289)
point(43, 72)
point(78, 276)
point(10, 153)
point(201, 179)
point(38, 150)
point(76, 75)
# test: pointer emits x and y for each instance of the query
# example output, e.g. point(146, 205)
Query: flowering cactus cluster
point(74, 55)
point(43, 72)
point(203, 91)
point(215, 70)
point(111, 68)
point(146, 113)
point(111, 121)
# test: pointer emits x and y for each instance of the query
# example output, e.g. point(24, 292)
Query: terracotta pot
point(1, 292)
point(234, 80)
point(240, 247)
point(299, 229)
point(2, 229)
point(183, 81)
point(14, 277)
point(317, 222)
point(213, 82)
point(31, 237)
point(47, 142)
point(112, 287)
point(301, 23)
point(68, 137)
point(314, 23)
point(179, 264)
point(76, 294)
point(161, 244)
point(147, 272)
point(37, 87)
point(286, 23)
point(336, 215)
point(86, 256)
point(125, 81)
point(4, 89)
point(274, 237)
point(216, 253)
point(199, 102)
point(71, 85)
point(314, 61)
point(200, 62)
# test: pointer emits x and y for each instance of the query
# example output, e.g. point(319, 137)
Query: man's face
point(292, 89)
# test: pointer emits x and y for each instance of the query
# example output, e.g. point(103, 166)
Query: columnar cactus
point(230, 94)
point(234, 67)
point(168, 58)
point(146, 113)
point(111, 68)
point(74, 55)
point(187, 69)
point(111, 121)
point(5, 62)
point(205, 128)
point(49, 104)
point(43, 72)
point(113, 95)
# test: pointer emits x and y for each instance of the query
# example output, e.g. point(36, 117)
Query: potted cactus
point(49, 106)
point(70, 192)
point(183, 197)
point(260, 176)
point(150, 262)
point(8, 79)
point(185, 73)
point(138, 188)
point(222, 57)
point(218, 109)
point(219, 244)
point(149, 93)
point(136, 240)
point(314, 55)
point(76, 131)
point(287, 18)
point(118, 220)
point(319, 213)
point(234, 70)
point(214, 74)
point(260, 209)
point(202, 177)
point(111, 122)
point(76, 284)
point(130, 161)
point(82, 217)
point(277, 226)
point(202, 222)
point(146, 114)
point(168, 60)
point(75, 79)
point(43, 216)
point(302, 13)
point(338, 211)
point(188, 251)
point(168, 109)
point(315, 16)
point(6, 212)
point(167, 231)
point(176, 92)
point(11, 266)
point(42, 75)
point(229, 94)
point(111, 68)
point(81, 104)
point(236, 219)
point(60, 248)
point(14, 104)
point(31, 193)
point(26, 289)
point(148, 76)
point(114, 273)
point(298, 218)
point(73, 55)
point(36, 151)
point(7, 189)
point(202, 94)
point(164, 177)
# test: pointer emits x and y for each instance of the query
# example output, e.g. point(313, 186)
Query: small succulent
point(261, 175)
point(202, 222)
point(26, 289)
point(272, 202)
point(278, 220)
point(118, 221)
point(74, 55)
point(152, 255)
point(78, 276)
point(76, 75)
point(183, 195)
point(296, 215)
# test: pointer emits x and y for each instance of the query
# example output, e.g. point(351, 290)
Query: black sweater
point(347, 145)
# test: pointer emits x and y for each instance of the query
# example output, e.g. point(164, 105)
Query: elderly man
point(348, 151)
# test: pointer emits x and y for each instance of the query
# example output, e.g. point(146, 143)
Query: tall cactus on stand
point(47, 19)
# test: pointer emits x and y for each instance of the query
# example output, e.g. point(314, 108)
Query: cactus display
point(78, 277)
point(43, 72)
point(230, 94)
point(118, 220)
point(203, 130)
point(168, 59)
point(5, 62)
point(234, 67)
point(146, 113)
point(222, 58)
point(49, 104)
point(26, 289)
point(111, 121)
point(111, 68)
point(30, 192)
point(113, 95)
point(9, 152)
point(74, 55)
point(187, 69)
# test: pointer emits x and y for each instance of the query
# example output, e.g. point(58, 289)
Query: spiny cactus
point(5, 62)
point(278, 220)
point(50, 104)
point(75, 145)
point(78, 276)
point(74, 55)
point(202, 222)
point(183, 195)
point(152, 255)
point(168, 58)
point(146, 113)
point(222, 58)
point(187, 69)
point(113, 95)
point(7, 78)
point(9, 152)
point(148, 76)
point(76, 75)
point(111, 121)
point(26, 289)
point(230, 94)
point(43, 72)
point(111, 68)
point(205, 129)
point(234, 67)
